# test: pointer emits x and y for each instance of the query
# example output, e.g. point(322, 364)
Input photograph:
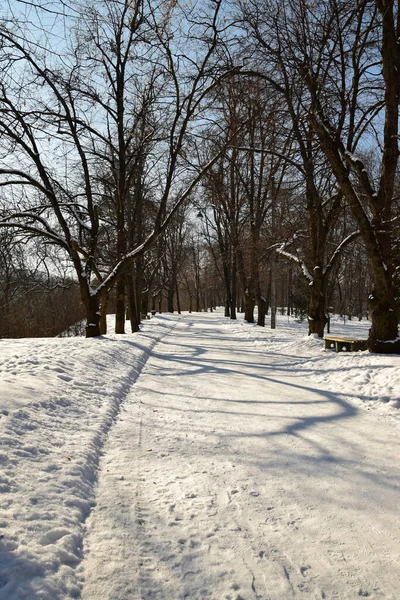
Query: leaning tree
point(343, 59)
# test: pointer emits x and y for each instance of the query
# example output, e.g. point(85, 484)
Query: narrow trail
point(228, 477)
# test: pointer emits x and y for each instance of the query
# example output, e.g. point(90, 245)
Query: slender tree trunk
point(289, 293)
point(178, 301)
point(120, 304)
point(273, 290)
point(135, 322)
point(268, 297)
point(138, 289)
point(261, 303)
point(198, 308)
point(273, 256)
point(103, 311)
point(252, 294)
point(171, 294)
point(227, 282)
point(233, 288)
point(144, 303)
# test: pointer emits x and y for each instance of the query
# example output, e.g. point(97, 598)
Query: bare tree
point(332, 53)
point(56, 125)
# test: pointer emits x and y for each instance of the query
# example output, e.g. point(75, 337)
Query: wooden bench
point(344, 344)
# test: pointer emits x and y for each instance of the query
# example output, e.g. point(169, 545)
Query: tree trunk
point(144, 303)
point(170, 298)
point(92, 316)
point(133, 313)
point(227, 282)
point(120, 304)
point(317, 318)
point(262, 306)
point(249, 304)
point(273, 256)
point(289, 293)
point(233, 290)
point(103, 312)
point(383, 335)
point(138, 286)
point(135, 322)
point(273, 291)
point(178, 301)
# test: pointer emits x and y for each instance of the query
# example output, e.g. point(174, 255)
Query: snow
point(58, 400)
point(354, 159)
point(281, 250)
point(201, 458)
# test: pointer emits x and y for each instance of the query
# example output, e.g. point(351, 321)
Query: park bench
point(344, 344)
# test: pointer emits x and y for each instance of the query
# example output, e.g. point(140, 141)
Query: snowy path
point(226, 476)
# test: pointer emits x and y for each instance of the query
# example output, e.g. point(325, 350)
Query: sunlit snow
point(201, 458)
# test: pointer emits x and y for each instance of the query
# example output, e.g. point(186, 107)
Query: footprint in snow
point(182, 541)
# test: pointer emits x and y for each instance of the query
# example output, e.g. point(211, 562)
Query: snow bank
point(58, 399)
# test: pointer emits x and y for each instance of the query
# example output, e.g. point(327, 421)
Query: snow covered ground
point(199, 459)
